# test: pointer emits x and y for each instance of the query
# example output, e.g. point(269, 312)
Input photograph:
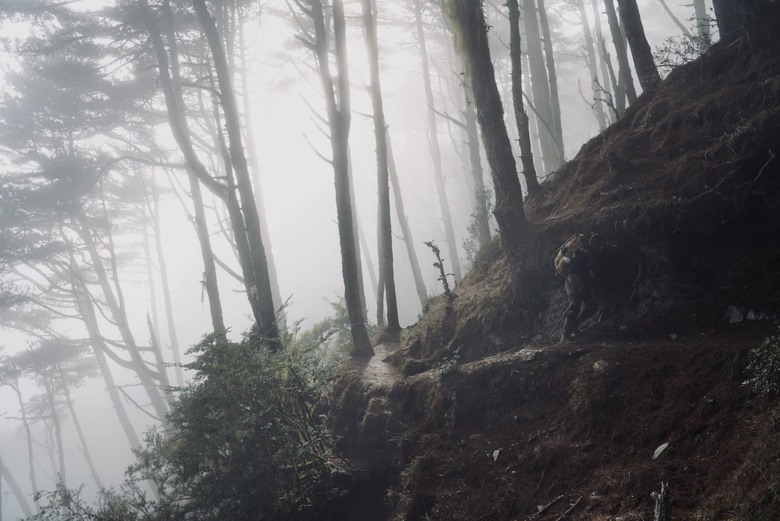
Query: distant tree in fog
point(383, 172)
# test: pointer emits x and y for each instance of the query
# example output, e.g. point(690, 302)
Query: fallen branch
point(570, 509)
point(547, 506)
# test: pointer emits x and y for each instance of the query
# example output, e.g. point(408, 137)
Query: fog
point(297, 190)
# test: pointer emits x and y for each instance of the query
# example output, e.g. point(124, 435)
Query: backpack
point(565, 254)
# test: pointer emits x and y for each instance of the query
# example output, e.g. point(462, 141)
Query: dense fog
point(138, 197)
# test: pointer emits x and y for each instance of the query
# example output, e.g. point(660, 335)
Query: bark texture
point(640, 49)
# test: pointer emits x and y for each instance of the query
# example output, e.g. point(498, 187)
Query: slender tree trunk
point(261, 293)
point(521, 118)
point(433, 136)
point(177, 119)
point(469, 21)
point(87, 312)
point(406, 231)
point(640, 49)
point(339, 123)
point(533, 121)
point(383, 175)
point(540, 87)
point(117, 309)
point(702, 24)
point(356, 234)
point(166, 288)
point(598, 108)
point(80, 432)
point(625, 78)
point(28, 439)
point(6, 475)
point(55, 420)
point(552, 76)
point(475, 162)
point(608, 77)
point(254, 163)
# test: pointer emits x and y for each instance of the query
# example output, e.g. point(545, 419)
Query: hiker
point(575, 261)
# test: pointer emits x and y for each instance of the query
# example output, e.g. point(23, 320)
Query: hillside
point(479, 415)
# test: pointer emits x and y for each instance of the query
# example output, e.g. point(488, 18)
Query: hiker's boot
point(568, 330)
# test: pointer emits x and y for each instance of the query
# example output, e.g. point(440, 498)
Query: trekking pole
point(565, 312)
point(559, 320)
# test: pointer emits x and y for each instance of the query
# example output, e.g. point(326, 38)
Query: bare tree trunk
point(84, 446)
point(116, 306)
point(640, 49)
point(6, 475)
point(265, 232)
point(339, 122)
point(383, 175)
point(702, 23)
point(55, 419)
point(406, 231)
point(261, 293)
point(166, 289)
point(592, 67)
point(28, 438)
point(449, 231)
point(469, 21)
point(625, 78)
point(540, 87)
point(356, 234)
point(552, 76)
point(524, 132)
point(607, 76)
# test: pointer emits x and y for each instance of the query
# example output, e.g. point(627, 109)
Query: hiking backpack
point(565, 254)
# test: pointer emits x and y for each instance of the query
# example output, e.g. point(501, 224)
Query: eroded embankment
point(568, 425)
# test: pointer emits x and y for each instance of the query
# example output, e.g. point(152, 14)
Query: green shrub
point(764, 367)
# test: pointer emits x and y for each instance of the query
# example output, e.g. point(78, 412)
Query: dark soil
point(482, 417)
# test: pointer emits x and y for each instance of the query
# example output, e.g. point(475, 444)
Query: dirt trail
point(378, 372)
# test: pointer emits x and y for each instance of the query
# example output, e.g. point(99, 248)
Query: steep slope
point(491, 420)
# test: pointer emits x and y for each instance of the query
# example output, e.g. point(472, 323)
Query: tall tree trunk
point(598, 108)
point(475, 162)
point(177, 119)
point(521, 118)
point(254, 163)
point(261, 293)
point(540, 87)
point(356, 234)
point(406, 231)
point(8, 476)
point(433, 136)
point(166, 289)
point(469, 21)
point(702, 24)
point(28, 439)
point(383, 175)
point(608, 77)
point(79, 431)
point(625, 78)
point(552, 76)
point(55, 420)
point(339, 124)
point(99, 348)
point(640, 49)
point(117, 309)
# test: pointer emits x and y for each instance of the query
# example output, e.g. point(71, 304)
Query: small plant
point(764, 367)
point(679, 50)
point(440, 265)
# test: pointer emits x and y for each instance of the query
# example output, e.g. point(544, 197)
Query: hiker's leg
point(590, 305)
point(574, 292)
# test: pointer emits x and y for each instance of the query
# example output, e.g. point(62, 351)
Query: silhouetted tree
point(640, 49)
